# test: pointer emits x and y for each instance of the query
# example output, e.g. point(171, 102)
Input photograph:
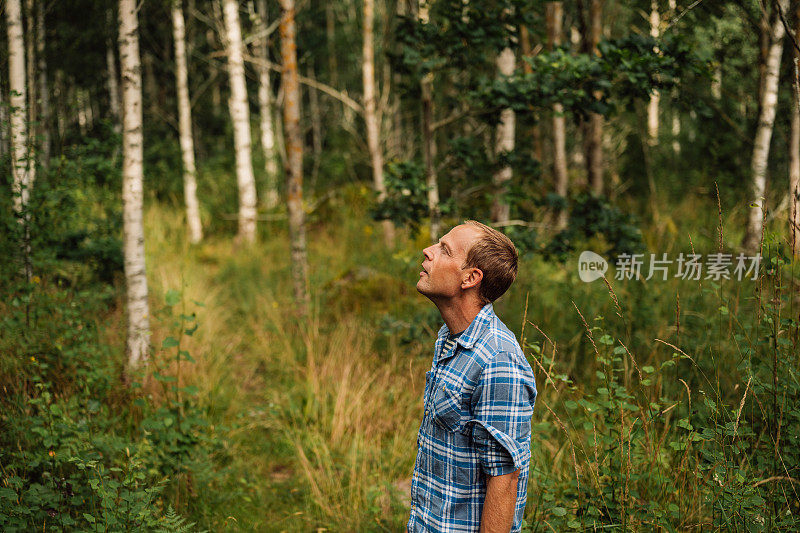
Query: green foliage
point(406, 201)
point(625, 70)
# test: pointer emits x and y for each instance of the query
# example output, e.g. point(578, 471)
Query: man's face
point(442, 275)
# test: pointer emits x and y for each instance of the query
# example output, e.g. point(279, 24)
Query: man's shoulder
point(497, 339)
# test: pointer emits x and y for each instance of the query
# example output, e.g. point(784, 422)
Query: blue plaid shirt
point(479, 397)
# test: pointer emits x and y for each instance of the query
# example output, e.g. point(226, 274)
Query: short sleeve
point(502, 406)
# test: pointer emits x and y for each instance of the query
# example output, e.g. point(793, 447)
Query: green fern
point(172, 522)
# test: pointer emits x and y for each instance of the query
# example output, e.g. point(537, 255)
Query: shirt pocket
point(446, 409)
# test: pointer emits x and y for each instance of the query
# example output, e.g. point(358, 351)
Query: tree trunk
point(676, 130)
point(44, 93)
point(240, 116)
point(429, 141)
point(4, 149)
point(593, 128)
point(766, 120)
point(132, 185)
point(30, 67)
point(655, 98)
point(265, 111)
point(294, 156)
point(22, 171)
point(113, 83)
point(794, 179)
point(794, 154)
point(554, 13)
point(185, 126)
point(371, 117)
point(504, 142)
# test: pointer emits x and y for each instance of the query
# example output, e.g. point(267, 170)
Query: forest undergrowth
point(663, 405)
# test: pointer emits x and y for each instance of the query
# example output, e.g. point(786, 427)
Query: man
point(471, 471)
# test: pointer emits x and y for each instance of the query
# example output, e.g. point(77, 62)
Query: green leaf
point(173, 297)
point(169, 342)
point(559, 511)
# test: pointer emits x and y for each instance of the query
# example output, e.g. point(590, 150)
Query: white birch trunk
point(716, 82)
point(185, 126)
point(132, 187)
point(504, 142)
point(766, 120)
point(240, 116)
point(370, 114)
point(265, 113)
point(23, 172)
point(44, 93)
point(294, 156)
point(655, 98)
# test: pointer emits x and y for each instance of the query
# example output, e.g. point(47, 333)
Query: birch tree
point(504, 142)
point(138, 340)
point(240, 117)
point(185, 125)
point(766, 120)
point(554, 13)
point(294, 156)
point(23, 172)
point(655, 98)
point(265, 108)
point(370, 114)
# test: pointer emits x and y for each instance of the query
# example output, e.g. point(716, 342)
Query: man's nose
point(427, 253)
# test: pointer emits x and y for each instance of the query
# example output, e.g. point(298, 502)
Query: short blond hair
point(495, 255)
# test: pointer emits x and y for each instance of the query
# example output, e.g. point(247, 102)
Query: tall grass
point(657, 408)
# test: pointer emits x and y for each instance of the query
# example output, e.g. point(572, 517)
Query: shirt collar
point(469, 336)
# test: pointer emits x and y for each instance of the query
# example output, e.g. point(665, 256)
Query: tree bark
point(655, 98)
point(294, 156)
point(554, 11)
point(265, 111)
point(593, 128)
point(44, 93)
point(766, 120)
point(138, 339)
point(30, 66)
point(185, 126)
point(370, 114)
point(22, 170)
point(794, 179)
point(794, 153)
point(504, 142)
point(240, 116)
point(429, 140)
point(113, 83)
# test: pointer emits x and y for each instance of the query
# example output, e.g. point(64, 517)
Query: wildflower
point(33, 359)
point(51, 453)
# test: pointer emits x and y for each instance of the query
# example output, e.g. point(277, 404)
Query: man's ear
point(472, 278)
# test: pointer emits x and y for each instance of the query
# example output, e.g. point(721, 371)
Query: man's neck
point(458, 315)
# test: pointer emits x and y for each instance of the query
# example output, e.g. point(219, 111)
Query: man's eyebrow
point(444, 245)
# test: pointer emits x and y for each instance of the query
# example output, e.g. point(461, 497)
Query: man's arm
point(500, 503)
